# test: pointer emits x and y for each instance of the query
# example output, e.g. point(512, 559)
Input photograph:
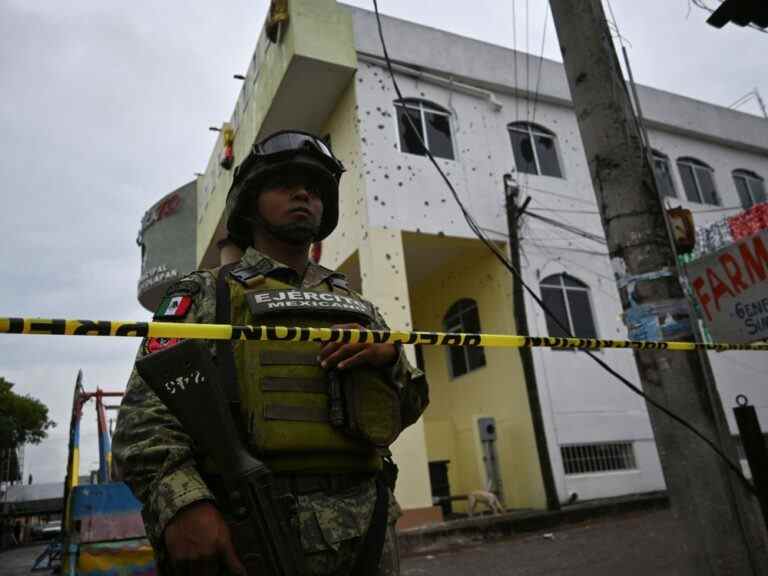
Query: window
point(568, 299)
point(534, 149)
point(594, 458)
point(433, 124)
point(663, 174)
point(698, 181)
point(463, 317)
point(750, 186)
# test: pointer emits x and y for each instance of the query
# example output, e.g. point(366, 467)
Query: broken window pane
point(523, 151)
point(439, 135)
point(545, 149)
point(409, 138)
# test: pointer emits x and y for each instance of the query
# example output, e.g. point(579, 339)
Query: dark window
point(568, 299)
point(428, 121)
point(663, 174)
point(410, 132)
point(463, 317)
point(534, 149)
point(698, 181)
point(750, 186)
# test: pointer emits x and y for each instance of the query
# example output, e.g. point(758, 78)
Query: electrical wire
point(509, 266)
point(569, 228)
point(575, 199)
point(541, 61)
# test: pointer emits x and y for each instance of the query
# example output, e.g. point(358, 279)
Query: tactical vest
point(284, 392)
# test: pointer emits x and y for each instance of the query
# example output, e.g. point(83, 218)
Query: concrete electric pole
point(723, 532)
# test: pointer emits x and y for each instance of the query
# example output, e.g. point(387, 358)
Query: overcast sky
point(105, 106)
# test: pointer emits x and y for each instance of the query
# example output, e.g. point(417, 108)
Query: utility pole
point(722, 530)
point(512, 194)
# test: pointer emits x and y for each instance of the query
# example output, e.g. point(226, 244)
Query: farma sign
point(731, 288)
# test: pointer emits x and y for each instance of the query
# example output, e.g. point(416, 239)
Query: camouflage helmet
point(288, 150)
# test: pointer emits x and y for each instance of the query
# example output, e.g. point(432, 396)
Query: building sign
point(157, 275)
point(731, 289)
point(168, 206)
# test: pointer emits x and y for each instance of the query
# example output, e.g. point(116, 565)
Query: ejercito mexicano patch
point(298, 301)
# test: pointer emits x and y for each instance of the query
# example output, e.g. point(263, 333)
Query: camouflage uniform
point(158, 461)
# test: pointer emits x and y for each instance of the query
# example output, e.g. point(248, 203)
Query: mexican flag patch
point(174, 307)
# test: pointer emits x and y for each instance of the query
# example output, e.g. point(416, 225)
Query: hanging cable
point(569, 228)
point(508, 265)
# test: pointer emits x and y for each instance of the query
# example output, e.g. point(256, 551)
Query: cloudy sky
point(105, 108)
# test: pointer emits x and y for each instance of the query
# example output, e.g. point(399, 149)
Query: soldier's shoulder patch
point(156, 344)
point(174, 306)
point(338, 281)
point(245, 273)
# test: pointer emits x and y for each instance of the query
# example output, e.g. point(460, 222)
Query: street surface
point(19, 561)
point(640, 543)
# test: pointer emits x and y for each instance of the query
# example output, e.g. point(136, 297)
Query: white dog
point(485, 497)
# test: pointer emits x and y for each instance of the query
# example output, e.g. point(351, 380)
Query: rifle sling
point(370, 556)
point(224, 351)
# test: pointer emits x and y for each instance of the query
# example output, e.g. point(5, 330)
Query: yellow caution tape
point(306, 334)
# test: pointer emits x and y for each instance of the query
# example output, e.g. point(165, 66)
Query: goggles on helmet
point(285, 144)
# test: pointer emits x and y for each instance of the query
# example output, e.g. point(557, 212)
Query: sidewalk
point(638, 543)
point(488, 528)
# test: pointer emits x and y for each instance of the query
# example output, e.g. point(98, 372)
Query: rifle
point(186, 378)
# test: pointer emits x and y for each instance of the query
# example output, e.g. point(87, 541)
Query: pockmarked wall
point(343, 128)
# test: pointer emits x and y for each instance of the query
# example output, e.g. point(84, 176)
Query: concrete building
point(404, 243)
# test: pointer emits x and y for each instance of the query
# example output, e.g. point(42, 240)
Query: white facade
point(581, 403)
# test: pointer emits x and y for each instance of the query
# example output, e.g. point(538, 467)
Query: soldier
point(284, 196)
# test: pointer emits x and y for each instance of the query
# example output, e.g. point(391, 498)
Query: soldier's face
point(291, 202)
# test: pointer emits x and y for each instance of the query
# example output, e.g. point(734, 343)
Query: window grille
point(750, 187)
point(663, 174)
point(463, 317)
point(698, 181)
point(433, 124)
point(596, 458)
point(534, 149)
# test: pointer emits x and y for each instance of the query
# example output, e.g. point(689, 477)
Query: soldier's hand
point(347, 355)
point(198, 541)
